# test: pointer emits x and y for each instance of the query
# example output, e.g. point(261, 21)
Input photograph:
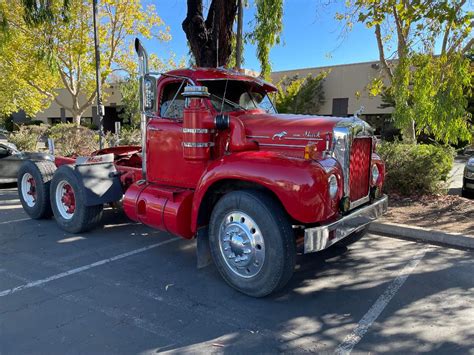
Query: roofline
point(327, 66)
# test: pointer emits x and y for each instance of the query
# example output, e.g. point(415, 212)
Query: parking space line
point(377, 308)
point(83, 268)
point(15, 220)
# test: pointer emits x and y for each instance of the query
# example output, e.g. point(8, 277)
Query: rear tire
point(68, 204)
point(34, 179)
point(354, 237)
point(252, 242)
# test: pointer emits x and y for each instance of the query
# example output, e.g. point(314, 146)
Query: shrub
point(416, 169)
point(26, 137)
point(128, 136)
point(71, 140)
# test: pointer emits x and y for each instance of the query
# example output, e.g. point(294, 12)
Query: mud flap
point(100, 179)
point(203, 251)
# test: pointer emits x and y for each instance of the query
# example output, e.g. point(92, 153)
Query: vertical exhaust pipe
point(143, 70)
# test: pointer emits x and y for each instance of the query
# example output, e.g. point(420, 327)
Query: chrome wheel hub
point(241, 244)
point(65, 200)
point(28, 189)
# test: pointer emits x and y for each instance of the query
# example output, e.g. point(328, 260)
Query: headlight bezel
point(333, 186)
point(375, 174)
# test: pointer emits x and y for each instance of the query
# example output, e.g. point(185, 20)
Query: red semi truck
point(217, 163)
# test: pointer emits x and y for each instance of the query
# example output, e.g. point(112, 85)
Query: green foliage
point(51, 49)
point(428, 91)
point(301, 95)
point(71, 140)
point(416, 169)
point(128, 136)
point(130, 100)
point(26, 137)
point(266, 33)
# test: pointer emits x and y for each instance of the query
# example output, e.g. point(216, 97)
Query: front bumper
point(319, 238)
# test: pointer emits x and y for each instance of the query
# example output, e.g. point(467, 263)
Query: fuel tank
point(164, 208)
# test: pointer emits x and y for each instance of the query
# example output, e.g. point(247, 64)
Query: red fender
point(300, 185)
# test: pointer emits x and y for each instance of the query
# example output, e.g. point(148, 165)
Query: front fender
point(300, 185)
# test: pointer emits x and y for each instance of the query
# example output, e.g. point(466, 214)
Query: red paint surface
point(361, 151)
point(258, 147)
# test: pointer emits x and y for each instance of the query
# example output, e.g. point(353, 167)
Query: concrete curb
point(431, 236)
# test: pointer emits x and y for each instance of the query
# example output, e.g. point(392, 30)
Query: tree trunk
point(409, 133)
point(76, 118)
point(210, 39)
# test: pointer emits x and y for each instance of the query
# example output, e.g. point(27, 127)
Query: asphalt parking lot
point(125, 288)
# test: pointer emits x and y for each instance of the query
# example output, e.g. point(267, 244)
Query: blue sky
point(310, 37)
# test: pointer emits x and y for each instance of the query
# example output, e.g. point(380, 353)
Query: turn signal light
point(310, 151)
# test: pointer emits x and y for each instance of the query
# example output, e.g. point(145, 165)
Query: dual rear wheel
point(46, 191)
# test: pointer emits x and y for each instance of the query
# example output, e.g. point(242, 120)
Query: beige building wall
point(112, 97)
point(344, 81)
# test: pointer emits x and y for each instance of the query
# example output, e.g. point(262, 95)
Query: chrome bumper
point(317, 238)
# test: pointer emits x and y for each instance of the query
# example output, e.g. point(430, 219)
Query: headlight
point(332, 186)
point(375, 174)
point(470, 162)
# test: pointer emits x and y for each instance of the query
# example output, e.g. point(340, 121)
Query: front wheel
point(68, 204)
point(252, 242)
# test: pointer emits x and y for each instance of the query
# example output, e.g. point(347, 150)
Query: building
point(345, 90)
point(56, 114)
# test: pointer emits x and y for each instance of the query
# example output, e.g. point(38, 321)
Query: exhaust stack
point(143, 70)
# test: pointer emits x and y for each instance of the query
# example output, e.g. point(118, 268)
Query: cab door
point(165, 162)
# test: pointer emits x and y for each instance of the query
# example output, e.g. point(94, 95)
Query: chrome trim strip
point(293, 138)
point(265, 137)
point(304, 139)
point(317, 238)
point(198, 145)
point(197, 130)
point(281, 145)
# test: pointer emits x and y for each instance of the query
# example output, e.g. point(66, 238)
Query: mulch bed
point(444, 213)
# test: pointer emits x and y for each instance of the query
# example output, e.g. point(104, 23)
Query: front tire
point(34, 179)
point(68, 204)
point(252, 242)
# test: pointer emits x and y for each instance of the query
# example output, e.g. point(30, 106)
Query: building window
point(340, 106)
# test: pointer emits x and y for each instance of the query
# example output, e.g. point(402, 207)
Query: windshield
point(235, 95)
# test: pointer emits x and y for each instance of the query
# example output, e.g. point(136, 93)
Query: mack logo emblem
point(279, 135)
point(310, 134)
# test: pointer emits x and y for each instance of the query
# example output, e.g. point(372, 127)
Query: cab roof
point(203, 74)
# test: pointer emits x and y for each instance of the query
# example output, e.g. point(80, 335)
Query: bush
point(26, 137)
point(416, 169)
point(128, 136)
point(71, 140)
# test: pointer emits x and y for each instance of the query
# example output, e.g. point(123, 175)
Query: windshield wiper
point(232, 103)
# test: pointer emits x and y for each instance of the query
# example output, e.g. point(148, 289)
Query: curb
point(428, 235)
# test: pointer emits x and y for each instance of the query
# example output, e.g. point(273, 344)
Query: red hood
point(289, 132)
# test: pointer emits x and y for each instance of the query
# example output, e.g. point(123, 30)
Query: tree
point(423, 86)
point(301, 95)
point(211, 38)
point(42, 53)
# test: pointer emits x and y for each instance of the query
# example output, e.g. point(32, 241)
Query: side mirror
point(149, 94)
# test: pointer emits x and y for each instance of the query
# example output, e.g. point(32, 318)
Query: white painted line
point(15, 220)
point(377, 308)
point(82, 268)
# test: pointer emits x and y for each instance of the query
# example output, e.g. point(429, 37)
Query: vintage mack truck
point(217, 163)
